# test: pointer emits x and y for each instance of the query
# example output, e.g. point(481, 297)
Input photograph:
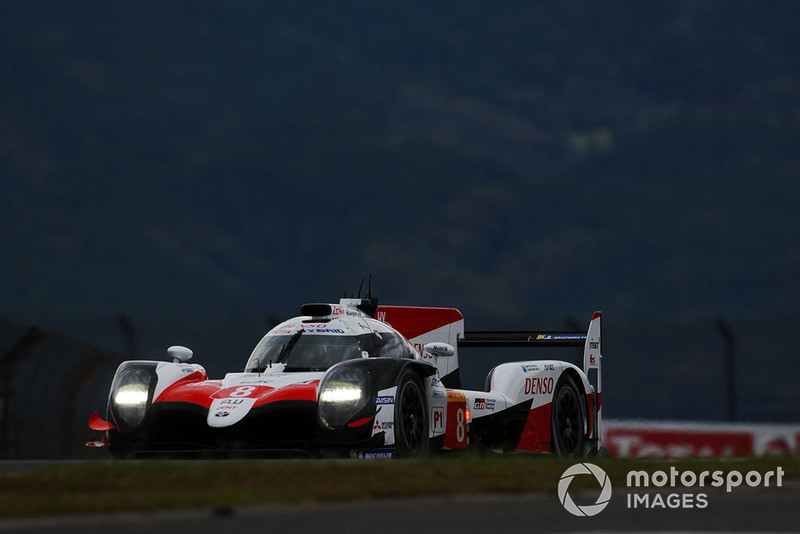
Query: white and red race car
point(361, 380)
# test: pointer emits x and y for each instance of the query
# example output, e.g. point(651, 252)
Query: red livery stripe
point(413, 321)
point(536, 433)
point(360, 422)
point(194, 392)
point(203, 393)
point(304, 391)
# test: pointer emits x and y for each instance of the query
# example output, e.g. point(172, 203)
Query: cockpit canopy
point(303, 347)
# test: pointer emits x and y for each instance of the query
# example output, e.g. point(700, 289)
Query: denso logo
point(539, 386)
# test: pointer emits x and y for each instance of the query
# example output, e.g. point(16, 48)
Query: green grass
point(105, 486)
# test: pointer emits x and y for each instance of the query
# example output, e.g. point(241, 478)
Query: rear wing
point(591, 341)
point(487, 338)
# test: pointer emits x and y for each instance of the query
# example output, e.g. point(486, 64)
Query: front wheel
point(410, 417)
point(567, 419)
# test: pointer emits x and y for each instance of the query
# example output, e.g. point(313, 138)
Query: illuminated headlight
point(342, 393)
point(130, 395)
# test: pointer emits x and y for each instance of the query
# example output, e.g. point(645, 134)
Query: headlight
point(130, 395)
point(342, 393)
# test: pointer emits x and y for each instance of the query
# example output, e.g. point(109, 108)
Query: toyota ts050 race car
point(362, 380)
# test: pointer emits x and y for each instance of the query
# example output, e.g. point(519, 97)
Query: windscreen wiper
point(287, 348)
point(301, 368)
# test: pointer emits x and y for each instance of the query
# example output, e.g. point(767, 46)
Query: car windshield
point(303, 351)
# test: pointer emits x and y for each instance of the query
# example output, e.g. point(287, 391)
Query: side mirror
point(439, 349)
point(179, 354)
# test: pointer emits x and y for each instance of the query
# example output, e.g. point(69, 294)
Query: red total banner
point(650, 439)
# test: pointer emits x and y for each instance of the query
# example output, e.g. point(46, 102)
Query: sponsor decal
point(437, 416)
point(373, 454)
point(385, 399)
point(484, 404)
point(539, 385)
point(678, 443)
point(418, 348)
point(383, 425)
point(456, 396)
point(685, 440)
point(318, 328)
point(533, 367)
point(230, 410)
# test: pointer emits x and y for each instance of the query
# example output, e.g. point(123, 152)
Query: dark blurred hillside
point(49, 384)
point(192, 161)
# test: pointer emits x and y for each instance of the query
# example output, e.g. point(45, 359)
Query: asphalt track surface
point(743, 510)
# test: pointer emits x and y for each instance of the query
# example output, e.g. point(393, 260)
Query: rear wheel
point(567, 419)
point(410, 417)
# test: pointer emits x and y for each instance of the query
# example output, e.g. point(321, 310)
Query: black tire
point(410, 417)
point(567, 419)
